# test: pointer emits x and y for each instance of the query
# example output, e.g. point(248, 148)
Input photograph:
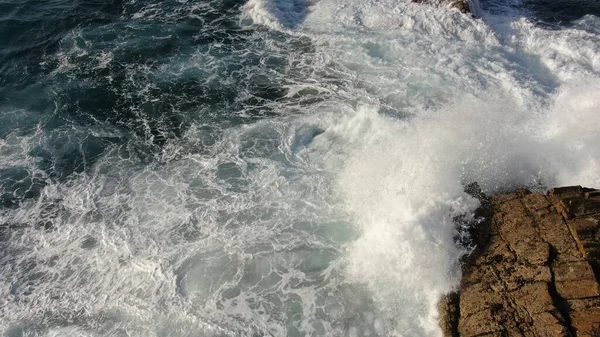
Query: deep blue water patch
point(82, 78)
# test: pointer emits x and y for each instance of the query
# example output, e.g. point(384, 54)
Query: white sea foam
point(403, 184)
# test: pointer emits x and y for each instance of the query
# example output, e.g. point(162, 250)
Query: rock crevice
point(535, 271)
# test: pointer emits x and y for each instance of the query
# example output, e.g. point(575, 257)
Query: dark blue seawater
point(89, 76)
point(270, 167)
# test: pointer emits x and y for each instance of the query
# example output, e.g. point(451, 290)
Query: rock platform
point(536, 269)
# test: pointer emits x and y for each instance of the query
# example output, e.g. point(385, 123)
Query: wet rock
point(461, 5)
point(448, 308)
point(535, 273)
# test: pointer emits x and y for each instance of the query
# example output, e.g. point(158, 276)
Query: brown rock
point(553, 230)
point(546, 324)
point(536, 271)
point(538, 204)
point(483, 322)
point(578, 207)
point(575, 280)
point(517, 274)
point(586, 232)
point(577, 288)
point(478, 298)
point(592, 194)
point(449, 314)
point(519, 232)
point(585, 316)
point(559, 193)
point(534, 298)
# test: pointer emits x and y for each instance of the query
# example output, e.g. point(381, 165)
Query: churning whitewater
point(270, 167)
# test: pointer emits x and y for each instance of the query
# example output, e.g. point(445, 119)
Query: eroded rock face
point(536, 272)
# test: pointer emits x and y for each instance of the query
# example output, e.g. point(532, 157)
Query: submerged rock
point(536, 270)
point(461, 5)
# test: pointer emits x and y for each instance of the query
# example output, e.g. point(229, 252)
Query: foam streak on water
point(292, 168)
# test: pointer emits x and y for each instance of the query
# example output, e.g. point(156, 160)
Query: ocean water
point(272, 167)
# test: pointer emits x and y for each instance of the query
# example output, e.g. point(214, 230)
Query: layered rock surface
point(536, 270)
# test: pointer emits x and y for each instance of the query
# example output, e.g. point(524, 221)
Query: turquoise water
point(271, 167)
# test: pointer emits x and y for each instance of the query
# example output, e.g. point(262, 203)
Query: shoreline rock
point(535, 271)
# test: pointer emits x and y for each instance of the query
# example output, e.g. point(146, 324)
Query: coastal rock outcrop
point(536, 270)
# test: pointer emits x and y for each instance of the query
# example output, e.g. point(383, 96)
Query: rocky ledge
point(536, 270)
